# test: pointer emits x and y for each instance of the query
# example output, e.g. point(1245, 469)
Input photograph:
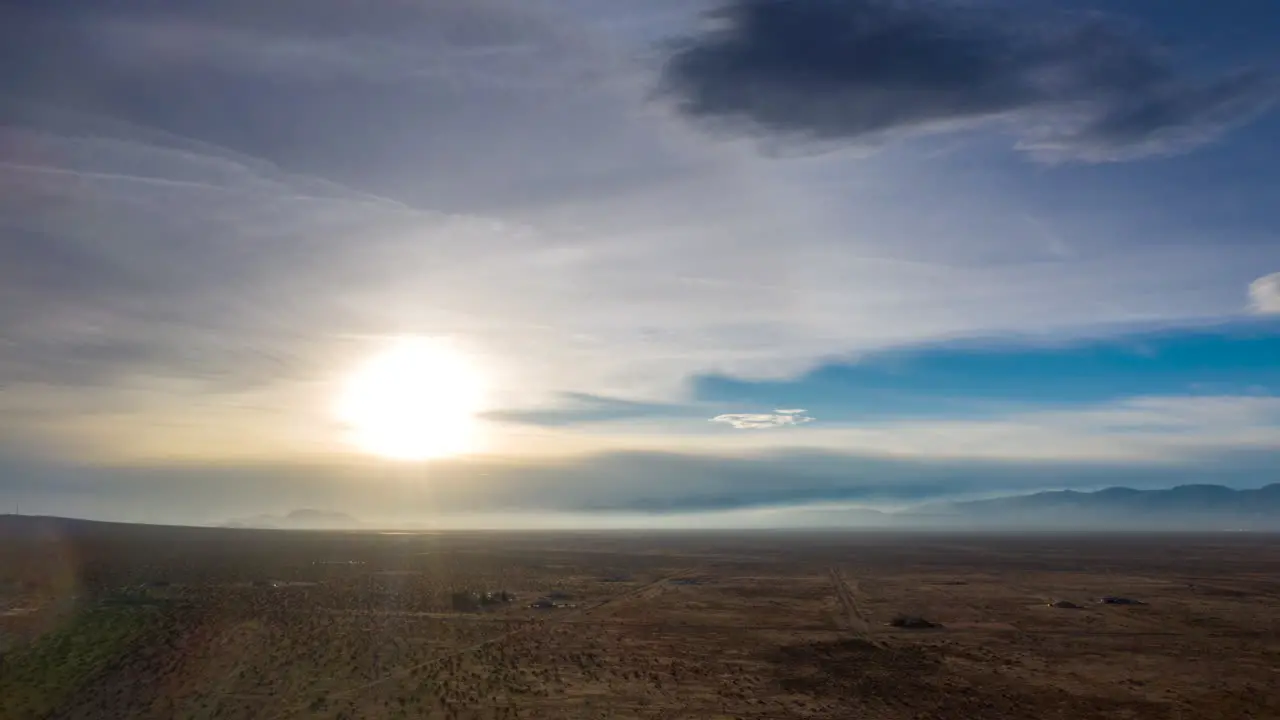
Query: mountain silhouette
point(1186, 507)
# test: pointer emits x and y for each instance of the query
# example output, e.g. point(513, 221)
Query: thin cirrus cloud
point(764, 421)
point(1070, 87)
point(569, 409)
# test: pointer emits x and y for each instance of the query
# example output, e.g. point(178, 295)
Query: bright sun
point(416, 400)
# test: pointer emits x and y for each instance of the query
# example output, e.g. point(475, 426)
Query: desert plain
point(101, 620)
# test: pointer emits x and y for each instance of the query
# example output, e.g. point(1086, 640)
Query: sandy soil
point(659, 626)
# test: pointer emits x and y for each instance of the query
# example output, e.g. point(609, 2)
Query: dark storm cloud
point(1073, 87)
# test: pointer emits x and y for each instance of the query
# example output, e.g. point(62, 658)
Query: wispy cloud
point(141, 264)
point(1156, 430)
point(251, 196)
point(493, 54)
point(984, 377)
point(1071, 87)
point(583, 408)
point(764, 421)
point(1163, 431)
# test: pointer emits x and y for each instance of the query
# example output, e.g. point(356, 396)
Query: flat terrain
point(100, 620)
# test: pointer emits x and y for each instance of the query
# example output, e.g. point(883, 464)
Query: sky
point(693, 258)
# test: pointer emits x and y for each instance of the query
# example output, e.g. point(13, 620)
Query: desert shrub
point(36, 678)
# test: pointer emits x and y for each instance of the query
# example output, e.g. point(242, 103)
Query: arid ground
point(114, 621)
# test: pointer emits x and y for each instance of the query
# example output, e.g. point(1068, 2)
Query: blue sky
point(959, 378)
point(701, 255)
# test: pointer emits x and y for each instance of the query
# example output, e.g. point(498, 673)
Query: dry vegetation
point(147, 622)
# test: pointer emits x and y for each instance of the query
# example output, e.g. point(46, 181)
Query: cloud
point(200, 233)
point(325, 42)
point(984, 377)
point(491, 55)
point(1168, 430)
point(580, 408)
point(764, 421)
point(644, 482)
point(152, 283)
point(129, 253)
point(1264, 294)
point(1072, 87)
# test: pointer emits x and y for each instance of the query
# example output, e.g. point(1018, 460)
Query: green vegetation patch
point(38, 678)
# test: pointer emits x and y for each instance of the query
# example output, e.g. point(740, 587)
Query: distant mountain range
point(1182, 508)
point(1186, 507)
point(302, 519)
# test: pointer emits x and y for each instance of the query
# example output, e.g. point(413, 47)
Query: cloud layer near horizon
point(618, 482)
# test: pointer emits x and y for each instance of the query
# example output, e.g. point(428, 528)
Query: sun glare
point(416, 400)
